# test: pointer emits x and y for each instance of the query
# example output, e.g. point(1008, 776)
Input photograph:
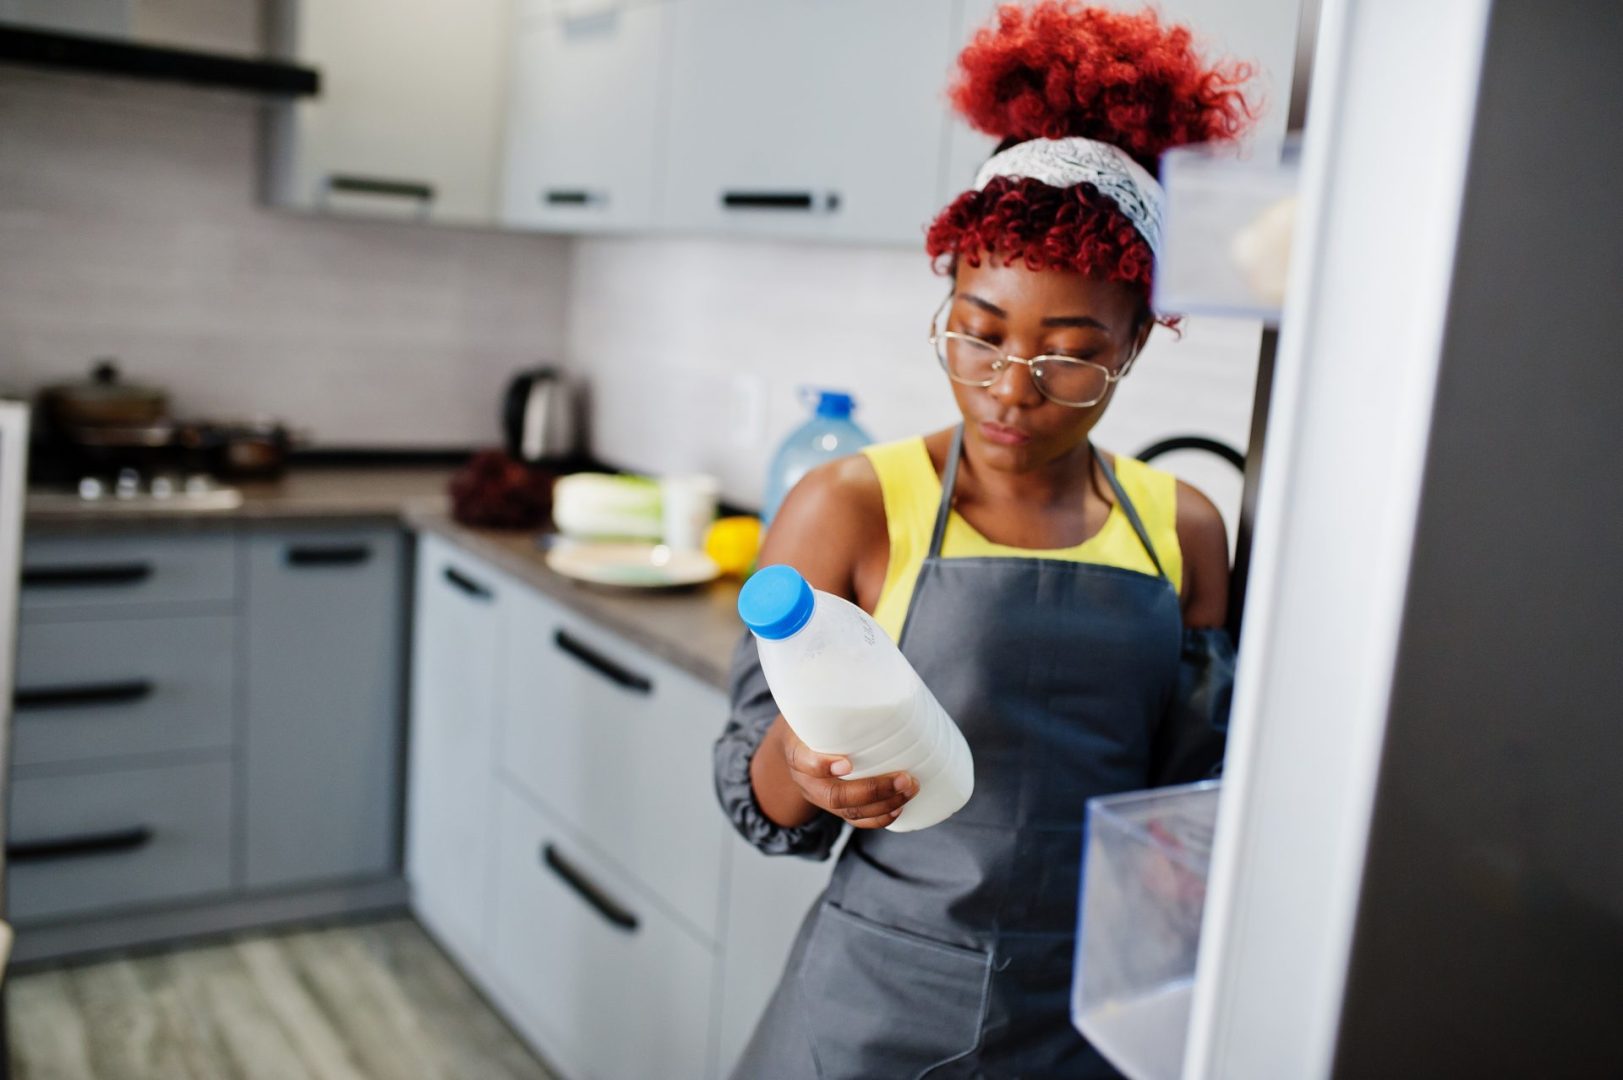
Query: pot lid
point(106, 385)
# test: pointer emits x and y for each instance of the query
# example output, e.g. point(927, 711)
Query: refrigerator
point(13, 488)
point(1416, 868)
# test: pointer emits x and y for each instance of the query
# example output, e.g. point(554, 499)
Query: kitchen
point(314, 774)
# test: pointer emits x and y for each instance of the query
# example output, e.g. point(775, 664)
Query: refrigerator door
point(13, 473)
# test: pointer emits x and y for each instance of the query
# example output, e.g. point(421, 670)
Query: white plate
point(644, 566)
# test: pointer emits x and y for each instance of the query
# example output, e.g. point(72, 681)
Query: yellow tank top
point(912, 493)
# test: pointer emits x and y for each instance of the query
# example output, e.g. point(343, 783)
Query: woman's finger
point(803, 759)
point(876, 822)
point(875, 809)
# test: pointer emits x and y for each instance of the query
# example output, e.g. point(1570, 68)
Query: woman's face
point(1010, 424)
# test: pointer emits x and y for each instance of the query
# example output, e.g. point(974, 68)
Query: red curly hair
point(1057, 69)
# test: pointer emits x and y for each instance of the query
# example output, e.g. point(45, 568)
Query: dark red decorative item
point(493, 491)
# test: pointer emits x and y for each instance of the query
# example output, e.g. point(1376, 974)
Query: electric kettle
point(541, 417)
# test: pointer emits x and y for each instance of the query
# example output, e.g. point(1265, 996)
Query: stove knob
point(128, 485)
point(91, 488)
point(162, 487)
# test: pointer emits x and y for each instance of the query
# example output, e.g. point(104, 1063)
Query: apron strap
point(949, 480)
point(1127, 507)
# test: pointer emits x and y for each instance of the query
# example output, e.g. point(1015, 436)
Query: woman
point(1040, 588)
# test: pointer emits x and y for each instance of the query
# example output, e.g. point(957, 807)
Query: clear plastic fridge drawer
point(1143, 893)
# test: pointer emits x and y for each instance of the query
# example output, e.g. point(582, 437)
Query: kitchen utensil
point(633, 565)
point(541, 416)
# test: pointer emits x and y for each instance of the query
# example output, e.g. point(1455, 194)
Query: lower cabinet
point(564, 840)
point(94, 842)
point(609, 984)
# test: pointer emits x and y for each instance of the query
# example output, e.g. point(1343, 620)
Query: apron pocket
point(884, 1003)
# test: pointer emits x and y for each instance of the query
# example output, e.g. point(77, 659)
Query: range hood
point(32, 47)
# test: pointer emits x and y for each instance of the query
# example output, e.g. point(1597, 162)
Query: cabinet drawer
point(93, 842)
point(614, 985)
point(618, 745)
point(97, 689)
point(123, 571)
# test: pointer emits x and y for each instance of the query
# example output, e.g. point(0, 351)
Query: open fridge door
point(13, 482)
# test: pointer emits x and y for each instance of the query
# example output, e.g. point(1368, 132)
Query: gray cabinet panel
point(62, 572)
point(117, 839)
point(324, 649)
point(99, 689)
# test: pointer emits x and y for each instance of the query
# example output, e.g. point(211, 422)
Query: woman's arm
point(1205, 546)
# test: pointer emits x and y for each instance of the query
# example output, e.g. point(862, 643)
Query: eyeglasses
point(1064, 380)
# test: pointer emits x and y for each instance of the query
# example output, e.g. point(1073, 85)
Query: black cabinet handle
point(588, 890)
point(615, 673)
point(777, 200)
point(467, 584)
point(572, 197)
point(378, 185)
point(69, 847)
point(57, 697)
point(328, 555)
point(105, 574)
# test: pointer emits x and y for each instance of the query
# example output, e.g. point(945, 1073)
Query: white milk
point(846, 689)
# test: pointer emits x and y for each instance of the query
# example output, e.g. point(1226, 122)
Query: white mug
point(688, 503)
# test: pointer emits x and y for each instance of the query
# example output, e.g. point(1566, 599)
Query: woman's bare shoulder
point(829, 524)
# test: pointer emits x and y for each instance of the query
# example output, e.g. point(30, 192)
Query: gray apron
point(948, 952)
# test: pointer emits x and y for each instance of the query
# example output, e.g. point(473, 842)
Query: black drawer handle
point(571, 197)
point(379, 185)
point(467, 584)
point(70, 847)
point(777, 200)
point(588, 890)
point(325, 555)
point(58, 697)
point(106, 574)
point(601, 664)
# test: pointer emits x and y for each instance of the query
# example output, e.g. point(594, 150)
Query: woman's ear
point(1141, 334)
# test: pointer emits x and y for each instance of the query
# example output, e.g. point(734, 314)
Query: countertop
point(694, 629)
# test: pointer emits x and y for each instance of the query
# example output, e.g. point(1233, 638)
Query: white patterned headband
point(1065, 163)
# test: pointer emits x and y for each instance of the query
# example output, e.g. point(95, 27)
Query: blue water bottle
point(829, 434)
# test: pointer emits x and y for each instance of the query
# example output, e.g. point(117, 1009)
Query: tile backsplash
point(131, 227)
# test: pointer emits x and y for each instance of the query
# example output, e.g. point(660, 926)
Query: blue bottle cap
point(835, 405)
point(775, 602)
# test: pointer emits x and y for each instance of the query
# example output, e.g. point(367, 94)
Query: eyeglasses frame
point(1111, 377)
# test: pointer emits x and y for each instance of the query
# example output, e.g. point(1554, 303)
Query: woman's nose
point(1015, 388)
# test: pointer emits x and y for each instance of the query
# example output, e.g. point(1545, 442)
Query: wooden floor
point(369, 1001)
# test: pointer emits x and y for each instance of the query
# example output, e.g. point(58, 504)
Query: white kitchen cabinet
point(767, 899)
point(807, 119)
point(409, 120)
point(595, 972)
point(584, 131)
point(617, 744)
point(455, 654)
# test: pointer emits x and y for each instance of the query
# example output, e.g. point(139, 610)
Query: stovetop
point(131, 489)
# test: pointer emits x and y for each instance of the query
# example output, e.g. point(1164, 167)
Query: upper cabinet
point(409, 120)
point(813, 118)
point(584, 123)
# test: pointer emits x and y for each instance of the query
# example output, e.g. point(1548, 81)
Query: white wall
point(679, 336)
point(130, 225)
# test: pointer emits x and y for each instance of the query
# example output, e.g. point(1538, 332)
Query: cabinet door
point(456, 639)
point(324, 642)
point(767, 899)
point(802, 118)
point(408, 123)
point(617, 744)
point(596, 973)
point(584, 133)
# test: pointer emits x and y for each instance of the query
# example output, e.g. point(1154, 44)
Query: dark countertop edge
point(535, 574)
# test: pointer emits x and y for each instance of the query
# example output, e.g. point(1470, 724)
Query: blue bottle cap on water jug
point(775, 602)
point(835, 405)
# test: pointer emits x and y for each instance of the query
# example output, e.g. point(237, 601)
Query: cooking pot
point(105, 400)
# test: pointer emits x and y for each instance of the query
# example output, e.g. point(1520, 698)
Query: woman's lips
point(1003, 436)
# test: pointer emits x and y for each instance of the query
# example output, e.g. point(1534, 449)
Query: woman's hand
point(870, 803)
